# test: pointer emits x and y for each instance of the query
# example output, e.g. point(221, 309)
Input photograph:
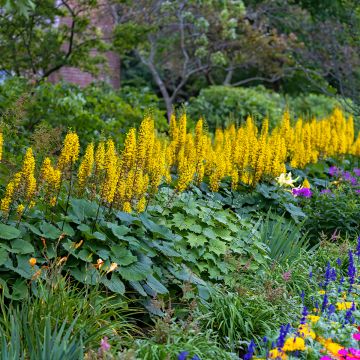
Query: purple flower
point(357, 172)
point(357, 191)
point(303, 192)
point(324, 303)
point(357, 252)
point(351, 270)
point(333, 170)
point(331, 309)
point(349, 314)
point(347, 175)
point(104, 345)
point(286, 275)
point(304, 314)
point(282, 335)
point(325, 191)
point(250, 351)
point(302, 295)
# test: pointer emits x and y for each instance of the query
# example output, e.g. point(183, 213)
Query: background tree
point(180, 40)
point(38, 44)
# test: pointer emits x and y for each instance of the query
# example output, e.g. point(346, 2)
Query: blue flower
point(183, 355)
point(250, 351)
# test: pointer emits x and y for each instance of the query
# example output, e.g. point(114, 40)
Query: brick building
point(103, 18)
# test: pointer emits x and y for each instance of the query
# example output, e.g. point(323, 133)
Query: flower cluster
point(330, 331)
point(127, 179)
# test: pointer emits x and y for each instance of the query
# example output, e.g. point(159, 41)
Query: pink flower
point(356, 336)
point(355, 352)
point(104, 345)
point(342, 352)
point(287, 275)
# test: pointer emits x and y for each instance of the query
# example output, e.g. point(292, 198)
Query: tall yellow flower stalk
point(1, 144)
point(111, 168)
point(51, 180)
point(86, 166)
point(70, 151)
point(28, 174)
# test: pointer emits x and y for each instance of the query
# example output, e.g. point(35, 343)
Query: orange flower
point(32, 262)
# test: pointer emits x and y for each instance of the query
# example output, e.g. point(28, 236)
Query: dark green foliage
point(284, 238)
point(169, 340)
point(223, 105)
point(181, 239)
point(66, 319)
point(335, 214)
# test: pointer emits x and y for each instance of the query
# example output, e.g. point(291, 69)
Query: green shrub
point(221, 105)
point(169, 340)
point(92, 111)
point(333, 214)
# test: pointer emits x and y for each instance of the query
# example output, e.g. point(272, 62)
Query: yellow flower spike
point(27, 173)
point(20, 209)
point(127, 207)
point(70, 151)
point(1, 144)
point(129, 153)
point(141, 205)
point(86, 166)
point(99, 263)
point(100, 156)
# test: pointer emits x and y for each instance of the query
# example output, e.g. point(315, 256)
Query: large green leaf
point(118, 230)
point(8, 232)
point(135, 272)
point(196, 240)
point(22, 247)
point(4, 255)
point(156, 285)
point(217, 246)
point(122, 256)
point(49, 231)
point(114, 284)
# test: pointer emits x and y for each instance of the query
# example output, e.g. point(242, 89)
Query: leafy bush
point(58, 308)
point(172, 339)
point(155, 252)
point(333, 214)
point(92, 111)
point(283, 237)
point(221, 105)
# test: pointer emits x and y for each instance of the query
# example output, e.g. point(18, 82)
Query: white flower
point(286, 180)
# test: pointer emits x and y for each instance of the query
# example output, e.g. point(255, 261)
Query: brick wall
point(104, 19)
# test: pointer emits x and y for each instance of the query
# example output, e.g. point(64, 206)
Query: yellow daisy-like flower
point(313, 318)
point(306, 331)
point(277, 354)
point(294, 344)
point(346, 305)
